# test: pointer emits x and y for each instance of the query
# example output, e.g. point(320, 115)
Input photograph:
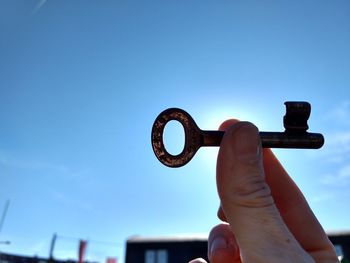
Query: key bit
point(294, 136)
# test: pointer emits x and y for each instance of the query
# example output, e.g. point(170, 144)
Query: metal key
point(294, 136)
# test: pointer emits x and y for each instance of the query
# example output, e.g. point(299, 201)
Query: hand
point(268, 218)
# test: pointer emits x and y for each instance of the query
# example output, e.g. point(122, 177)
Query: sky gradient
point(81, 83)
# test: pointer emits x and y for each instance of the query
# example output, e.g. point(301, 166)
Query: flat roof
point(338, 233)
point(200, 237)
point(172, 238)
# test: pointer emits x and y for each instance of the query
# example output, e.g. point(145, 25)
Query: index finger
point(293, 206)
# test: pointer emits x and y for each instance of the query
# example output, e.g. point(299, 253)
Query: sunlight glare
point(211, 119)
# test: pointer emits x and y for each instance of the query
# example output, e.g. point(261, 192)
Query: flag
point(82, 250)
point(111, 260)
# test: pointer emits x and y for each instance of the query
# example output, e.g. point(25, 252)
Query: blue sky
point(81, 83)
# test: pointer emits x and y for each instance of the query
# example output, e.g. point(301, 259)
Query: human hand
point(268, 218)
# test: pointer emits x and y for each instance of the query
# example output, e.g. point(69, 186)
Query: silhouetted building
point(184, 249)
point(341, 242)
point(165, 249)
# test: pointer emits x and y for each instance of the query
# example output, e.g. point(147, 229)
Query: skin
point(267, 218)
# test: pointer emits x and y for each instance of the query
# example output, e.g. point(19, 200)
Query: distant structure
point(165, 249)
point(173, 249)
point(11, 258)
point(183, 249)
point(341, 242)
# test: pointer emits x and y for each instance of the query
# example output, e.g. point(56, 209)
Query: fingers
point(247, 202)
point(222, 245)
point(291, 204)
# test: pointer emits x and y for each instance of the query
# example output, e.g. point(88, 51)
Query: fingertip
point(227, 124)
point(222, 246)
point(239, 162)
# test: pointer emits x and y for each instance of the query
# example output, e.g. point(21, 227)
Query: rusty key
point(294, 136)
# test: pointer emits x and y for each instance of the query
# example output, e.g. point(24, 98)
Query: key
point(294, 136)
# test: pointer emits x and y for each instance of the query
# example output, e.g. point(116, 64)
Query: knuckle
point(251, 192)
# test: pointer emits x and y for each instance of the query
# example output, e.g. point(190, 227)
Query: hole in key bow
point(174, 137)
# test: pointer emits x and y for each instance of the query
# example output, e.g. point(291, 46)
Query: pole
point(52, 247)
point(4, 214)
point(7, 204)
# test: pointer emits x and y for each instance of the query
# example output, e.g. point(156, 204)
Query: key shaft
point(272, 139)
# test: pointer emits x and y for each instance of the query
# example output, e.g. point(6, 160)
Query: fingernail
point(247, 143)
point(218, 243)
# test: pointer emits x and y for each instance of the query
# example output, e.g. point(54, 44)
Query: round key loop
point(193, 138)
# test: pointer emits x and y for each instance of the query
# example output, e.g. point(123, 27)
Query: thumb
point(246, 200)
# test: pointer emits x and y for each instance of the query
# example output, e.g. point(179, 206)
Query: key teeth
point(297, 114)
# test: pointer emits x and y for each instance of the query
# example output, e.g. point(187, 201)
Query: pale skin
point(267, 219)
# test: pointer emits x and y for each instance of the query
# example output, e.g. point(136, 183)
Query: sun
point(211, 119)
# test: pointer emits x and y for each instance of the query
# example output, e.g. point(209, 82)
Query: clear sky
point(81, 83)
